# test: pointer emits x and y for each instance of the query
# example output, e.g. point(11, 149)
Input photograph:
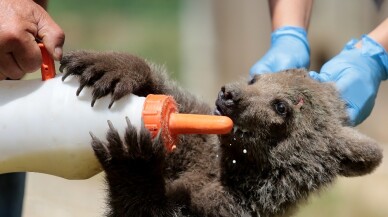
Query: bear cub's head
point(292, 132)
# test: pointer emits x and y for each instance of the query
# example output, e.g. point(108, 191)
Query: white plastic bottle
point(45, 127)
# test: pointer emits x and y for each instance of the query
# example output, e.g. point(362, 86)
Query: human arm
point(358, 70)
point(380, 35)
point(289, 45)
point(290, 13)
point(21, 23)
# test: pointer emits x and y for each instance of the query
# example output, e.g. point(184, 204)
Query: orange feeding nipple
point(160, 113)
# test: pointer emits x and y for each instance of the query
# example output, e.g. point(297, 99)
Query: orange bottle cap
point(47, 68)
point(156, 112)
point(160, 112)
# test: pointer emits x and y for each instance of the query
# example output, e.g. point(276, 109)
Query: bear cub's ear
point(358, 154)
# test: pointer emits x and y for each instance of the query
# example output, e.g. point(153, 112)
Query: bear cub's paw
point(136, 153)
point(107, 73)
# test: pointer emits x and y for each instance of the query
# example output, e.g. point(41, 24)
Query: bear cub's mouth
point(218, 111)
point(238, 130)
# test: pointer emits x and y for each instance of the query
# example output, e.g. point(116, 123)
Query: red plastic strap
point(47, 68)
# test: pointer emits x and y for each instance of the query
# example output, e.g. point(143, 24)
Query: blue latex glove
point(289, 49)
point(357, 73)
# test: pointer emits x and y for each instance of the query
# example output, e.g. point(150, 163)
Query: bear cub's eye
point(280, 108)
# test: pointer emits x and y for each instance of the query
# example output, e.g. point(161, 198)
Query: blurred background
point(204, 44)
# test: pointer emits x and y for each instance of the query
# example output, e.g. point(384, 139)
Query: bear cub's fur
point(290, 139)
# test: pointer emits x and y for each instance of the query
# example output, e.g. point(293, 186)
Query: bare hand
point(21, 23)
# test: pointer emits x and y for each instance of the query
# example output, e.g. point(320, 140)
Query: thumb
point(318, 76)
point(51, 35)
point(261, 67)
point(353, 114)
point(258, 69)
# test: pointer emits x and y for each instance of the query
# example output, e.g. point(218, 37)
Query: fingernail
point(58, 53)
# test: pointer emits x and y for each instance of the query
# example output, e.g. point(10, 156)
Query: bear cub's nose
point(228, 95)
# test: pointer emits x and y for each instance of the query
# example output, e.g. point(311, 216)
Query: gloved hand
point(357, 73)
point(289, 49)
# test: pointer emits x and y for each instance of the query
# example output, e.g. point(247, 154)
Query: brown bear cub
point(290, 139)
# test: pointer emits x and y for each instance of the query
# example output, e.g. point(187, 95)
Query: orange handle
point(47, 68)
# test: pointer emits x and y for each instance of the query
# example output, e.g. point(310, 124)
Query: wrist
point(380, 34)
point(369, 47)
point(290, 13)
point(295, 32)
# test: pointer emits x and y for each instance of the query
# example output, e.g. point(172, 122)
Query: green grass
point(149, 8)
